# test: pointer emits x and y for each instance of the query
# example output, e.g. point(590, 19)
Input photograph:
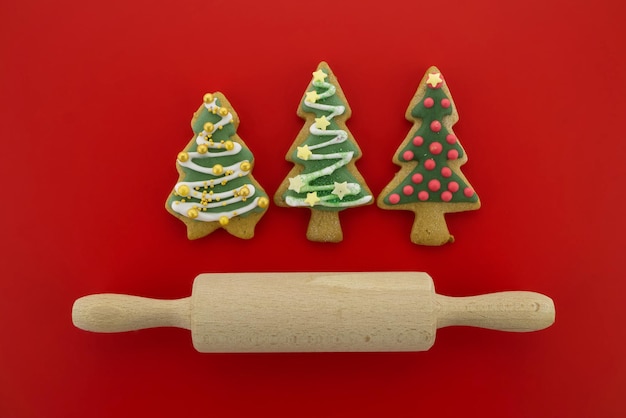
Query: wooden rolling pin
point(297, 312)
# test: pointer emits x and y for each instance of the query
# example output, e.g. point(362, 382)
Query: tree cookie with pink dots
point(430, 182)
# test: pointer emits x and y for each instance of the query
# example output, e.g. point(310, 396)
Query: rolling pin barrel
point(322, 312)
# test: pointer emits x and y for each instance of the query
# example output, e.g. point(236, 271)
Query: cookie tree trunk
point(324, 226)
point(430, 229)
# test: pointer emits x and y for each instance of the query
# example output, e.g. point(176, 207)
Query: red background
point(96, 99)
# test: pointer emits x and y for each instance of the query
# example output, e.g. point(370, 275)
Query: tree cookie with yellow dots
point(324, 178)
point(215, 187)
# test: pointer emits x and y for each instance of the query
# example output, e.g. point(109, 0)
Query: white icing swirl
point(302, 182)
point(184, 207)
point(202, 190)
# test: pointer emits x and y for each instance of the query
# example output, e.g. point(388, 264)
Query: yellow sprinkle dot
point(223, 220)
point(244, 191)
point(245, 166)
point(192, 213)
point(220, 127)
point(229, 145)
point(207, 98)
point(208, 127)
point(183, 157)
point(218, 169)
point(263, 202)
point(183, 190)
point(223, 111)
point(202, 149)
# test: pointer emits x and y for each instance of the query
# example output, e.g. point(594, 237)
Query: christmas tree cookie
point(215, 188)
point(324, 178)
point(430, 182)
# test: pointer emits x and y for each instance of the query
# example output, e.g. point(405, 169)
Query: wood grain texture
point(315, 312)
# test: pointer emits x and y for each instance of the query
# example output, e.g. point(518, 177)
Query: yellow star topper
point(319, 75)
point(304, 152)
point(311, 198)
point(321, 123)
point(311, 96)
point(434, 79)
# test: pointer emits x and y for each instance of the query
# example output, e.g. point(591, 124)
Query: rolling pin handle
point(517, 311)
point(109, 312)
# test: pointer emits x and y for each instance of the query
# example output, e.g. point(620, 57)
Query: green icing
point(422, 153)
point(327, 104)
point(190, 175)
point(205, 116)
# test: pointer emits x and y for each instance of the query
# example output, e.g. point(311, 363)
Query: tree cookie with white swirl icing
point(216, 188)
point(324, 178)
point(430, 182)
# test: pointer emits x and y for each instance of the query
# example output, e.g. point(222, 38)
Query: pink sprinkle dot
point(429, 102)
point(418, 141)
point(435, 126)
point(445, 103)
point(446, 196)
point(430, 164)
point(417, 178)
point(468, 192)
point(435, 148)
point(394, 198)
point(408, 155)
point(446, 172)
point(451, 139)
point(453, 154)
point(408, 190)
point(434, 185)
point(423, 195)
point(453, 186)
